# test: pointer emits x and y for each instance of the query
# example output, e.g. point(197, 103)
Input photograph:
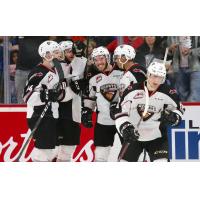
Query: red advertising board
point(14, 133)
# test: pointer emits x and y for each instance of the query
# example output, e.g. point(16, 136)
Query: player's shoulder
point(96, 78)
point(133, 88)
point(167, 89)
point(137, 68)
point(39, 71)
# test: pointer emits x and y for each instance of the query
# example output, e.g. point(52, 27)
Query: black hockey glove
point(86, 117)
point(52, 95)
point(79, 48)
point(78, 85)
point(114, 110)
point(170, 118)
point(128, 132)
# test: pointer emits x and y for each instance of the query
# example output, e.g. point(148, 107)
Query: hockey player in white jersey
point(103, 89)
point(43, 86)
point(133, 73)
point(68, 126)
point(148, 132)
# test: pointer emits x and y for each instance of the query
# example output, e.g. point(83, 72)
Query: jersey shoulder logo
point(98, 78)
point(172, 91)
point(50, 78)
point(138, 95)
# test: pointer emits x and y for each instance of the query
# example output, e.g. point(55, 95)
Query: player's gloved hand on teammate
point(169, 117)
point(79, 48)
point(78, 85)
point(86, 117)
point(128, 132)
point(52, 95)
point(114, 110)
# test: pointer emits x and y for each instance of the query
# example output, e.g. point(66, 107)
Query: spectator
point(1, 71)
point(103, 40)
point(13, 62)
point(186, 65)
point(28, 59)
point(134, 41)
point(149, 50)
point(91, 46)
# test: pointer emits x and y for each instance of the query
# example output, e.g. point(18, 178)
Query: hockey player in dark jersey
point(68, 127)
point(103, 90)
point(133, 73)
point(43, 86)
point(162, 107)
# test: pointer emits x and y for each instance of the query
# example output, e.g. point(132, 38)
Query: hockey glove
point(50, 94)
point(170, 118)
point(114, 110)
point(79, 48)
point(78, 85)
point(128, 132)
point(86, 117)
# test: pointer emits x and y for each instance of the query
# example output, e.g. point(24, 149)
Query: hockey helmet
point(48, 47)
point(101, 51)
point(157, 69)
point(124, 50)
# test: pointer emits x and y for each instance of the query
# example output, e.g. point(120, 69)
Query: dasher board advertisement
point(184, 140)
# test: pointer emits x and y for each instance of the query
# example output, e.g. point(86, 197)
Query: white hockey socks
point(65, 153)
point(101, 154)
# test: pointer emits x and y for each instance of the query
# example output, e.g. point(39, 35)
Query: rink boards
point(183, 140)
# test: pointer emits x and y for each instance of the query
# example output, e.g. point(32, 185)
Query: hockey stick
point(61, 78)
point(33, 131)
point(126, 144)
point(165, 57)
point(59, 69)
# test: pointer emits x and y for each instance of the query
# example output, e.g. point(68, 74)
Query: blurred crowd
point(183, 59)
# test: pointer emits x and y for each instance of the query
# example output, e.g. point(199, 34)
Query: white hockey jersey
point(103, 89)
point(133, 104)
point(133, 75)
point(40, 75)
point(73, 71)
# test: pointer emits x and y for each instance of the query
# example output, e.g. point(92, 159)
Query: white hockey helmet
point(101, 51)
point(64, 45)
point(48, 46)
point(158, 69)
point(124, 50)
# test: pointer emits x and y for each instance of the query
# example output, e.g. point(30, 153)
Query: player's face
point(58, 54)
point(120, 60)
point(69, 55)
point(100, 62)
point(154, 81)
point(150, 40)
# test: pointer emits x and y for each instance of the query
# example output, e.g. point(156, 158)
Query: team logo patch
point(136, 70)
point(140, 109)
point(98, 78)
point(50, 78)
point(139, 95)
point(109, 91)
point(39, 74)
point(172, 91)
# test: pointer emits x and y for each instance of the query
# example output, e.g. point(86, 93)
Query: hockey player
point(164, 108)
point(103, 90)
point(68, 126)
point(133, 73)
point(43, 86)
point(124, 57)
